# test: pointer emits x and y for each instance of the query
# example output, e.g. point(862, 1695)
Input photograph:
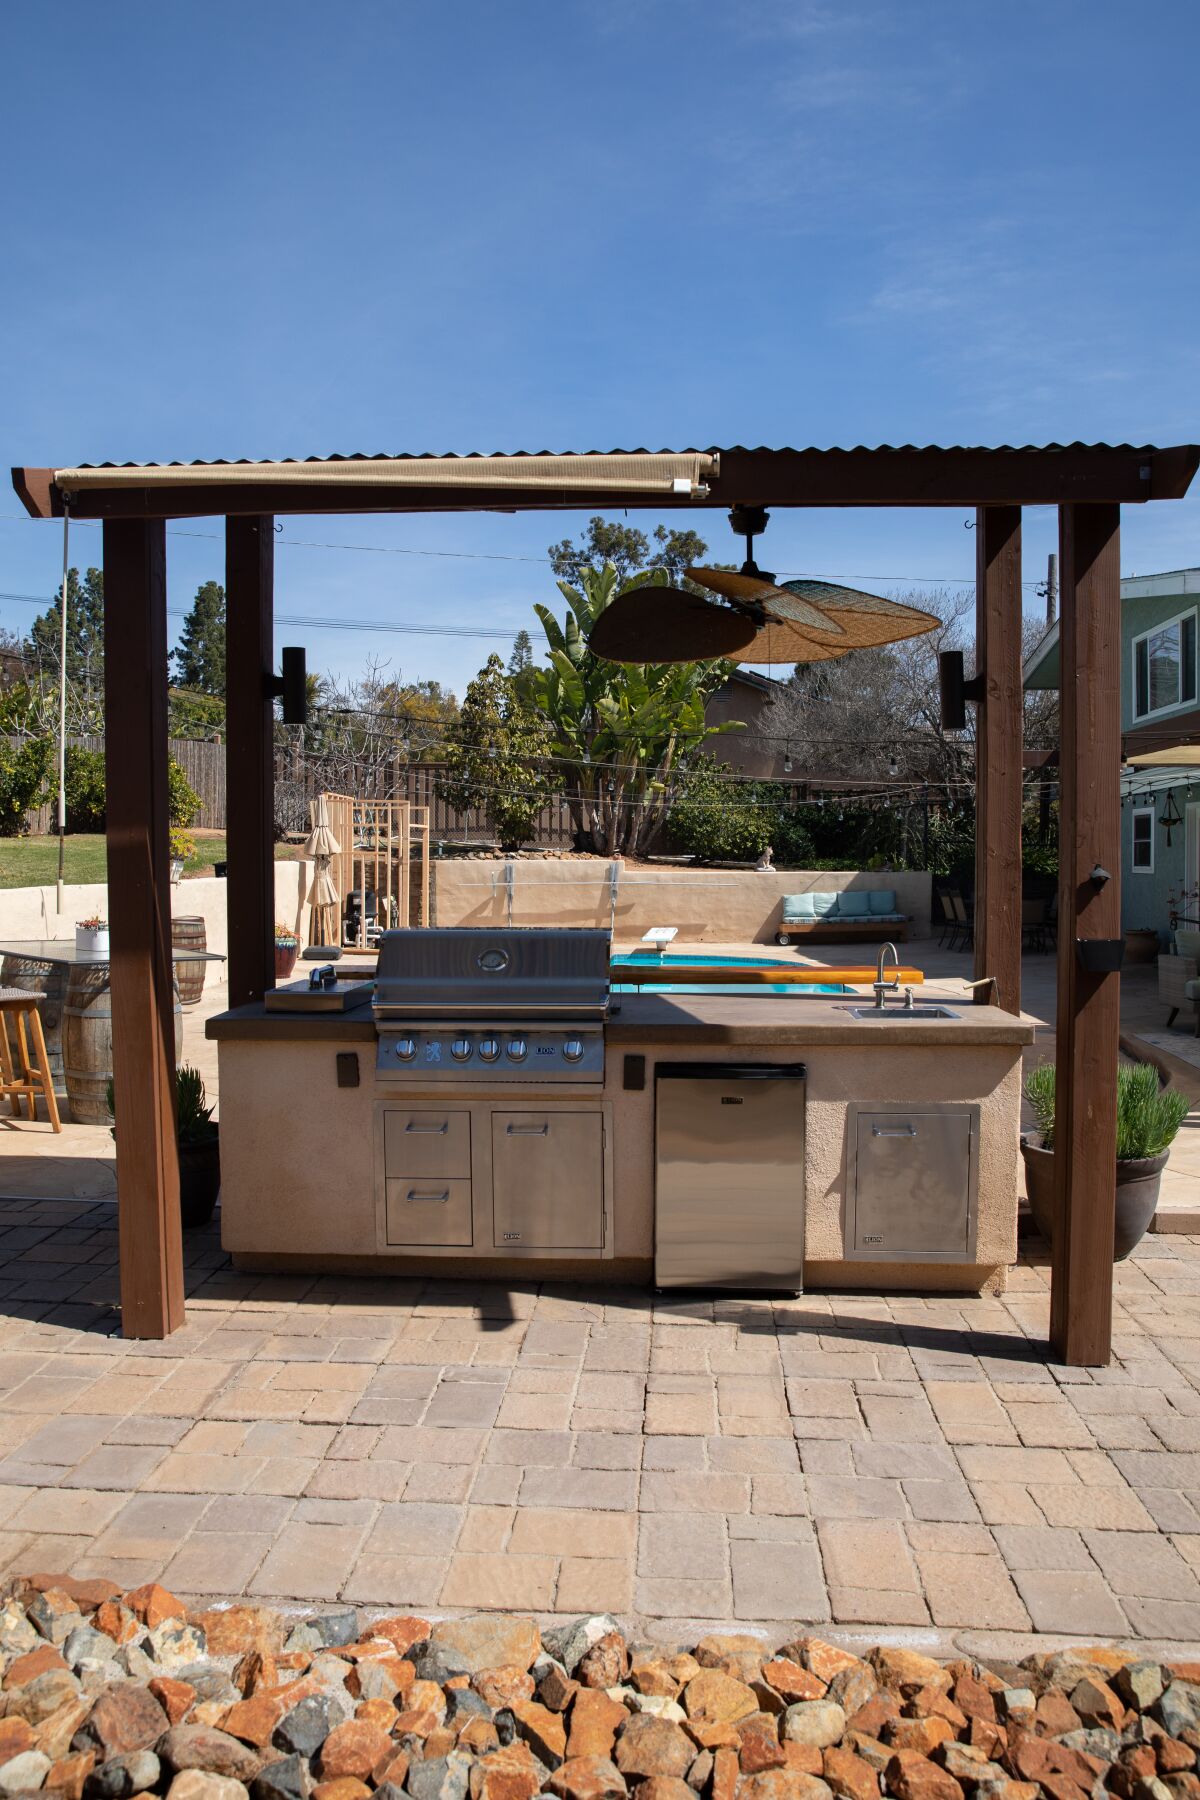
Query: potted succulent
point(1148, 1117)
point(287, 948)
point(197, 1135)
point(182, 847)
point(91, 936)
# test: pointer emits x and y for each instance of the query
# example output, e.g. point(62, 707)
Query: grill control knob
point(489, 1049)
point(573, 1049)
point(515, 1049)
point(406, 1049)
point(460, 1049)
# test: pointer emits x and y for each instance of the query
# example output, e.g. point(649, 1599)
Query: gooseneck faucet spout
point(881, 986)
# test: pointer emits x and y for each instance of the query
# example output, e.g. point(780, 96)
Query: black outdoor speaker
point(950, 687)
point(292, 686)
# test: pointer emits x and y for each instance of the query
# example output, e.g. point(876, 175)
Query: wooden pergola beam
point(139, 899)
point(998, 752)
point(1123, 474)
point(250, 756)
point(1089, 918)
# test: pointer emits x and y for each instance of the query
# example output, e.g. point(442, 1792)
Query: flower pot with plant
point(287, 948)
point(1148, 1117)
point(91, 936)
point(198, 1138)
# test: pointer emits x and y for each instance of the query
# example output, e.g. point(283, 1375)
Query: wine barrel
point(189, 934)
point(87, 1042)
point(49, 982)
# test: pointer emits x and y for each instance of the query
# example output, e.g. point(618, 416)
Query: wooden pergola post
point(998, 751)
point(139, 905)
point(250, 755)
point(1089, 922)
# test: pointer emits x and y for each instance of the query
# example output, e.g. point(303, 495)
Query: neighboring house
point(1160, 713)
point(747, 697)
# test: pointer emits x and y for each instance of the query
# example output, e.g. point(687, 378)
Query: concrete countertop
point(694, 1019)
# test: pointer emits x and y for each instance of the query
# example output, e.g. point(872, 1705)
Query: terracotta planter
point(1138, 1182)
point(1141, 946)
point(199, 1181)
point(285, 960)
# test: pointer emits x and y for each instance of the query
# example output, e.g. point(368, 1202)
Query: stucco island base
point(299, 1152)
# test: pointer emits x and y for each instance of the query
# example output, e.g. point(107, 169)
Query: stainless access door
point(729, 1175)
point(548, 1180)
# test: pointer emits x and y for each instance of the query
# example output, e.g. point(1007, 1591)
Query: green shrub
point(183, 801)
point(1148, 1116)
point(717, 819)
point(23, 782)
point(85, 789)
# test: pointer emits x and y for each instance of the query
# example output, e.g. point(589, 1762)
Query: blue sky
point(269, 230)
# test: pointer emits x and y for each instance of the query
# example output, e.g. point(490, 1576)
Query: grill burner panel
point(475, 1006)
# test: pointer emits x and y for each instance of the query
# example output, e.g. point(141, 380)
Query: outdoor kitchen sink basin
point(901, 1012)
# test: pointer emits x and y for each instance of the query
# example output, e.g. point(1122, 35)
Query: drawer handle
point(438, 1199)
point(528, 1130)
point(430, 1130)
point(909, 1131)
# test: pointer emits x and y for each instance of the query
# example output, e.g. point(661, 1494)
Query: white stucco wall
point(32, 912)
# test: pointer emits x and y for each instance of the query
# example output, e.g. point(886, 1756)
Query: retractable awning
point(674, 475)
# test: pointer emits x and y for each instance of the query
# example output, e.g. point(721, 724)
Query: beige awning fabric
point(1179, 756)
point(679, 475)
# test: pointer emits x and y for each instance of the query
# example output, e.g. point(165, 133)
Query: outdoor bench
point(862, 913)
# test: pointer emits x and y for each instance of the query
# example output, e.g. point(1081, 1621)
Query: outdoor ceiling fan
point(753, 620)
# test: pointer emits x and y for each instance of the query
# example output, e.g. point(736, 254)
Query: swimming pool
point(651, 958)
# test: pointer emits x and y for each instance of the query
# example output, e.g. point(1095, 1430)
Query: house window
point(1143, 840)
point(1164, 666)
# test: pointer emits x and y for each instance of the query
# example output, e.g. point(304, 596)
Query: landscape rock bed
point(105, 1695)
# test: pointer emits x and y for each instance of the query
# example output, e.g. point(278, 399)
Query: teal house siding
point(1150, 604)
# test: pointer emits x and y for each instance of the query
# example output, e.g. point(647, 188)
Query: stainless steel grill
point(474, 1006)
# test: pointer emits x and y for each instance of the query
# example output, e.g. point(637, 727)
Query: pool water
point(643, 957)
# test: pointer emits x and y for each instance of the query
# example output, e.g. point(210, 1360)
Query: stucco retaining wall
point(721, 905)
point(32, 912)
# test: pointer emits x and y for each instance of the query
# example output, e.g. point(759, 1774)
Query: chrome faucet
point(881, 986)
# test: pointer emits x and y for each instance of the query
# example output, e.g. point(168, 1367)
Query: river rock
point(204, 1747)
point(649, 1746)
point(25, 1772)
point(570, 1643)
point(304, 1729)
point(202, 1784)
point(287, 1778)
point(588, 1778)
point(484, 1642)
point(816, 1722)
point(121, 1776)
point(442, 1778)
point(125, 1718)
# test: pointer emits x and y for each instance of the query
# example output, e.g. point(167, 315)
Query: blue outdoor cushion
point(798, 909)
point(883, 902)
point(854, 906)
point(824, 905)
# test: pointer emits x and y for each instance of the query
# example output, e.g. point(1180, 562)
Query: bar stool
point(18, 1074)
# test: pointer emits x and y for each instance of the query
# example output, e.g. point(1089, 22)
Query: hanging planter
point(1170, 816)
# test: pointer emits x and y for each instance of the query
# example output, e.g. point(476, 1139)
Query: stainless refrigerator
point(729, 1175)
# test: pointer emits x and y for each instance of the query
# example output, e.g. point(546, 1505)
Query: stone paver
point(905, 1463)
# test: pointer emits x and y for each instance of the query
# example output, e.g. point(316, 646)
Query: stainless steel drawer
point(428, 1212)
point(548, 1180)
point(426, 1142)
point(912, 1179)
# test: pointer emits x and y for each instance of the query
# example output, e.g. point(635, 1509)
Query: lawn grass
point(33, 861)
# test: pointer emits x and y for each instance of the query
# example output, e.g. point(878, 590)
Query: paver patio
point(889, 1465)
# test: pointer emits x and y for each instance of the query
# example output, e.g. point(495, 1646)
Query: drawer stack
point(427, 1177)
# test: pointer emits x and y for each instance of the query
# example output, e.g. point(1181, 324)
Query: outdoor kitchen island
point(493, 1165)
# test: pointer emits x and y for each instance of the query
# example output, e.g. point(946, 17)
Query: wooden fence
point(203, 763)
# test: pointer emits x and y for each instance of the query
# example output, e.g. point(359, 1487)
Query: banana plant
point(621, 731)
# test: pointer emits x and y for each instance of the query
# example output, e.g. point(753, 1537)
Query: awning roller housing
point(674, 476)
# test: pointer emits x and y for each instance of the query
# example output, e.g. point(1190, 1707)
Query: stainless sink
point(901, 1012)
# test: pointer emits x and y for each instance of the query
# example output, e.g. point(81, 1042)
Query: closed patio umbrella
point(324, 905)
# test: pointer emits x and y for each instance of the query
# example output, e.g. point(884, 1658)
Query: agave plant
point(193, 1119)
point(624, 730)
point(1148, 1115)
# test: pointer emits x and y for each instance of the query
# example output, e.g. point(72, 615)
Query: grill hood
point(506, 972)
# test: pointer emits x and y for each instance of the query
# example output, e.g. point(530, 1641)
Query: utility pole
point(1051, 587)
